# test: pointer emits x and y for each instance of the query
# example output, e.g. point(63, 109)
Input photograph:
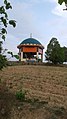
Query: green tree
point(54, 52)
point(65, 53)
point(4, 21)
point(3, 60)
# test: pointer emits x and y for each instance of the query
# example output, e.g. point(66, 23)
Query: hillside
point(46, 92)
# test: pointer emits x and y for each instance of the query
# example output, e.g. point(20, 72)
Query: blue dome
point(30, 41)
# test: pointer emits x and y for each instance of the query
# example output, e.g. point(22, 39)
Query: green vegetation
point(4, 21)
point(61, 1)
point(3, 61)
point(20, 95)
point(54, 52)
point(65, 53)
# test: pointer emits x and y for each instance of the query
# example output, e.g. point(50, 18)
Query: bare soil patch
point(46, 92)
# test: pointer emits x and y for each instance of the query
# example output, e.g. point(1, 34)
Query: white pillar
point(21, 56)
point(37, 55)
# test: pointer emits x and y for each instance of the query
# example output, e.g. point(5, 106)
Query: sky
point(45, 19)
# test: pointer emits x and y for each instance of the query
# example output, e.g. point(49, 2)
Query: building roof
point(30, 41)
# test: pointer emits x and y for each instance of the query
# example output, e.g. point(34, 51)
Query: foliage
point(3, 61)
point(65, 53)
point(12, 55)
point(0, 47)
point(54, 52)
point(20, 95)
point(4, 21)
point(61, 1)
point(16, 56)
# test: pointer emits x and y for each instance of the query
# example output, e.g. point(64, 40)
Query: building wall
point(29, 49)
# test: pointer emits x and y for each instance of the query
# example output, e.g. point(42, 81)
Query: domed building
point(30, 49)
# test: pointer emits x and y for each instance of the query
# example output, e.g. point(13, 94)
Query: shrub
point(20, 95)
point(3, 61)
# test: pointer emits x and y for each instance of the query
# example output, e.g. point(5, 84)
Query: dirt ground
point(46, 92)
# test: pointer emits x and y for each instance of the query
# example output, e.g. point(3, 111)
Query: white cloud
point(58, 10)
point(26, 20)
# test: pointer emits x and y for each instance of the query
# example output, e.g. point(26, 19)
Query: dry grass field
point(46, 92)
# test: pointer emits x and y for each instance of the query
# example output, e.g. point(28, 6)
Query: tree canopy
point(54, 52)
point(65, 53)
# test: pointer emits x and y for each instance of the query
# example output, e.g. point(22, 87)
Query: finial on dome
point(30, 35)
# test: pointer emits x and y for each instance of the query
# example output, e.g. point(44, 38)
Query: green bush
point(20, 95)
point(3, 61)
